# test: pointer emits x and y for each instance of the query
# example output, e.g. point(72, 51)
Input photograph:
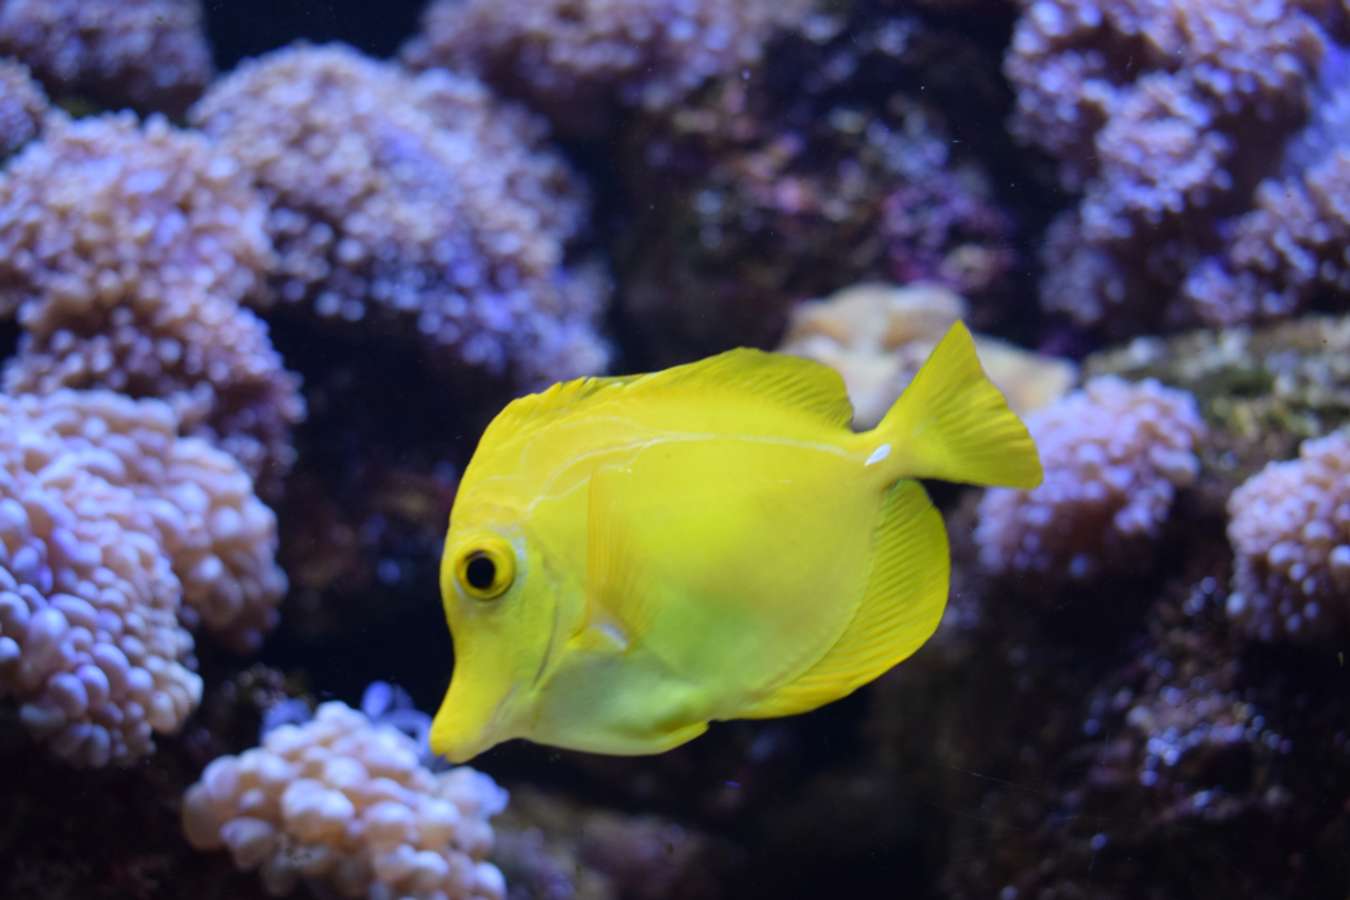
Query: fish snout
point(470, 722)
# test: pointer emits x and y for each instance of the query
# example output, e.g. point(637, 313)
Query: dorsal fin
point(792, 382)
point(526, 414)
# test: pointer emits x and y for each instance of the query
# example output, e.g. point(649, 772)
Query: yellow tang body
point(631, 558)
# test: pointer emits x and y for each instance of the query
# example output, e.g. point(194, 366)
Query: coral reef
point(877, 336)
point(23, 106)
point(1114, 455)
point(1262, 390)
point(584, 63)
point(1185, 125)
point(1290, 530)
point(1170, 741)
point(113, 527)
point(1137, 688)
point(127, 249)
point(148, 54)
point(422, 206)
point(549, 847)
point(346, 803)
point(810, 175)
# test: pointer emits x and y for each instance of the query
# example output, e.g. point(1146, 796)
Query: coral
point(1115, 455)
point(1262, 391)
point(128, 248)
point(343, 802)
point(1175, 744)
point(847, 156)
point(110, 207)
point(23, 106)
point(418, 205)
point(1157, 752)
point(551, 846)
point(149, 54)
point(1182, 124)
point(583, 63)
point(1290, 530)
point(111, 523)
point(877, 336)
point(1285, 252)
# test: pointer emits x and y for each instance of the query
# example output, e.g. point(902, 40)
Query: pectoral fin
point(619, 601)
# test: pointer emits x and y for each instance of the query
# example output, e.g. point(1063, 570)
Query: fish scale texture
point(114, 533)
point(126, 249)
point(346, 805)
point(1289, 525)
point(1114, 454)
point(419, 205)
point(1181, 123)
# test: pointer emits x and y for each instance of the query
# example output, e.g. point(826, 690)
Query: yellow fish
point(631, 558)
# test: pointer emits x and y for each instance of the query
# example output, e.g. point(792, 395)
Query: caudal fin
point(953, 424)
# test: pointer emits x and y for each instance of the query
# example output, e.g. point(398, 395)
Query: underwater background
point(267, 270)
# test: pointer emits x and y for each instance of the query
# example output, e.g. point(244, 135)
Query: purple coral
point(824, 168)
point(1167, 116)
point(127, 248)
point(1289, 251)
point(584, 61)
point(149, 54)
point(419, 205)
point(1290, 529)
point(112, 528)
point(23, 106)
point(1115, 453)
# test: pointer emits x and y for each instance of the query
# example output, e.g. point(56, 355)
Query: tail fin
point(953, 424)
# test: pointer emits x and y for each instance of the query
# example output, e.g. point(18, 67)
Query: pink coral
point(1290, 528)
point(345, 804)
point(110, 524)
point(1115, 454)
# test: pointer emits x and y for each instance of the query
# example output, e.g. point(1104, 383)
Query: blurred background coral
point(266, 271)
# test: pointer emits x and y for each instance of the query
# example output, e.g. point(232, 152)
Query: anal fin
point(902, 604)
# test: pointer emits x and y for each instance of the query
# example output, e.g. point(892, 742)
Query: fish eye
point(486, 571)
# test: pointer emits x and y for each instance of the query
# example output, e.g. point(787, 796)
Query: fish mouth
point(462, 730)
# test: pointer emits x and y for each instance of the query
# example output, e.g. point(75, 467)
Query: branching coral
point(128, 248)
point(345, 803)
point(419, 205)
point(110, 522)
point(150, 54)
point(1114, 455)
point(1168, 116)
point(1290, 529)
point(583, 61)
point(22, 107)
